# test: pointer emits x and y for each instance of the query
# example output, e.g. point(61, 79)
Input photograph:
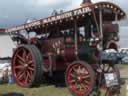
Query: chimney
point(86, 3)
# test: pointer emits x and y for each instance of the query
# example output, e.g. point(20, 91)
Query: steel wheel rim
point(23, 67)
point(79, 79)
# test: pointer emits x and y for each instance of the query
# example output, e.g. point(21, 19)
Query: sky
point(16, 12)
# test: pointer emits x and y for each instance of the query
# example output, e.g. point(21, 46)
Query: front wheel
point(80, 78)
point(27, 66)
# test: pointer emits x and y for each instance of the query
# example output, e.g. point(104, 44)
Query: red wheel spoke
point(80, 88)
point(20, 72)
point(79, 69)
point(18, 67)
point(75, 70)
point(24, 76)
point(73, 75)
point(30, 62)
point(85, 77)
point(24, 53)
point(20, 58)
point(32, 69)
point(83, 87)
point(20, 62)
point(21, 76)
point(75, 85)
point(32, 65)
point(73, 81)
point(28, 56)
point(31, 72)
point(27, 77)
point(87, 82)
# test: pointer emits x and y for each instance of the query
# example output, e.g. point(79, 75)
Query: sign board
point(65, 15)
point(111, 79)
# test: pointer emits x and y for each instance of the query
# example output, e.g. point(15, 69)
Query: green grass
point(40, 91)
point(50, 90)
point(123, 66)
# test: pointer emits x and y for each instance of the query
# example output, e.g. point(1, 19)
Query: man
point(86, 3)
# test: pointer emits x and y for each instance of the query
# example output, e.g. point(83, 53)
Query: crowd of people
point(6, 74)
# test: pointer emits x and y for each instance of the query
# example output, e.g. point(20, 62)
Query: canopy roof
point(109, 11)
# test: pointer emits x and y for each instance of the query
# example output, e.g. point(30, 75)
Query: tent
point(6, 46)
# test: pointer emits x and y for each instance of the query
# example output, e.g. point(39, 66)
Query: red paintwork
point(34, 40)
point(109, 27)
point(66, 55)
point(2, 30)
point(111, 45)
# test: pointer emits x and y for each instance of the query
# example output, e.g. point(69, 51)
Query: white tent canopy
point(6, 46)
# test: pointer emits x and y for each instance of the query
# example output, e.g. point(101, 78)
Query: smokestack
point(86, 3)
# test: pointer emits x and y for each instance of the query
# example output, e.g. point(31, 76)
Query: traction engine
point(72, 43)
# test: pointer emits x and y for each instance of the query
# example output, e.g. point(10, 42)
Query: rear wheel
point(27, 66)
point(80, 78)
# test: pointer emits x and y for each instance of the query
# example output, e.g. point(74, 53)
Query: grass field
point(51, 90)
point(41, 91)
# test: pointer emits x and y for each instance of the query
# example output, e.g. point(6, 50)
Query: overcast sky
point(14, 12)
